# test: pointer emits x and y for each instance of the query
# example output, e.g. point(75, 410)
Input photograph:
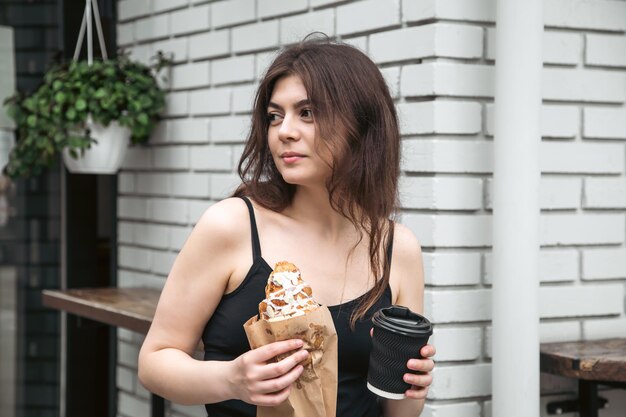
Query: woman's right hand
point(257, 381)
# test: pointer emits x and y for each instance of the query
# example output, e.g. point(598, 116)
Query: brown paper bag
point(314, 394)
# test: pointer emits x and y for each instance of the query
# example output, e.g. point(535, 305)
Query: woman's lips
point(291, 157)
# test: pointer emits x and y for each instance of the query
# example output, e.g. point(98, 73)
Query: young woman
point(319, 189)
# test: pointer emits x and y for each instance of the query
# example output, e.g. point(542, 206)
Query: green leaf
point(59, 97)
point(143, 119)
point(80, 104)
point(32, 120)
point(70, 113)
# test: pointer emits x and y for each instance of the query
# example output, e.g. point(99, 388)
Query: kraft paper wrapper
point(314, 394)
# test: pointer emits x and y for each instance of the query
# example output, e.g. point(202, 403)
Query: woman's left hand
point(422, 380)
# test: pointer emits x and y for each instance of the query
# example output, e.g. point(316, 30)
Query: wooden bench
point(592, 363)
point(127, 308)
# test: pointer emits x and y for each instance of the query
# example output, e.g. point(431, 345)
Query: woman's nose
point(288, 129)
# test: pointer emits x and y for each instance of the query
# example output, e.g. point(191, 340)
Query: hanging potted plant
point(88, 111)
point(78, 106)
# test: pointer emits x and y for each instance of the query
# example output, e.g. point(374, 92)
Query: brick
point(256, 36)
point(443, 117)
point(137, 158)
point(605, 50)
point(153, 183)
point(274, 8)
point(263, 62)
point(591, 158)
point(162, 262)
point(559, 121)
point(197, 209)
point(131, 208)
point(194, 130)
point(392, 78)
point(604, 123)
point(604, 263)
point(125, 232)
point(432, 40)
point(605, 193)
point(190, 184)
point(177, 104)
point(359, 42)
point(447, 79)
point(134, 258)
point(125, 33)
point(441, 193)
point(178, 237)
point(457, 344)
point(243, 98)
point(168, 210)
point(229, 129)
point(129, 279)
point(223, 185)
point(210, 101)
point(190, 20)
point(294, 28)
point(321, 3)
point(211, 158)
point(171, 157)
point(466, 10)
point(559, 332)
point(587, 229)
point(562, 48)
point(228, 13)
point(141, 53)
point(125, 379)
point(604, 328)
point(437, 155)
point(460, 381)
point(125, 183)
point(152, 27)
point(583, 85)
point(451, 268)
point(159, 6)
point(152, 235)
point(443, 230)
point(585, 14)
point(131, 9)
point(372, 14)
point(554, 193)
point(130, 405)
point(209, 45)
point(233, 69)
point(175, 48)
point(190, 75)
point(575, 301)
point(451, 410)
point(178, 410)
point(454, 306)
point(555, 265)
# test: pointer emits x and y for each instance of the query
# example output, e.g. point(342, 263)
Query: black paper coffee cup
point(399, 334)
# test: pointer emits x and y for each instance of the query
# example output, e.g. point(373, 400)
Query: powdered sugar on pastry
point(287, 295)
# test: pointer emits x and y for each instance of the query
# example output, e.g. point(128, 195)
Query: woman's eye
point(307, 113)
point(273, 117)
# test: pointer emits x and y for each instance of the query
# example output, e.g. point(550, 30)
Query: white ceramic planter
point(105, 156)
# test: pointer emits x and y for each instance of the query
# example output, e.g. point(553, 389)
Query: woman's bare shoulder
point(226, 220)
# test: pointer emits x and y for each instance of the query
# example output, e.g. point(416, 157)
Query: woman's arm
point(407, 269)
point(196, 283)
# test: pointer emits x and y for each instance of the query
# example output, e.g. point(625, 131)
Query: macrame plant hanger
point(91, 13)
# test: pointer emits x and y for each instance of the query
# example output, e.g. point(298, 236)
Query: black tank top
point(224, 339)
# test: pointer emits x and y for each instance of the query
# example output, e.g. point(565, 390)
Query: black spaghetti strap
point(256, 245)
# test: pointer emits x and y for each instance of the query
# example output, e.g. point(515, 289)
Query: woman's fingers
point(283, 366)
point(278, 384)
point(270, 351)
point(421, 365)
point(419, 380)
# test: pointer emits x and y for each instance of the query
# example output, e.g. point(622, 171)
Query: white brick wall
point(438, 59)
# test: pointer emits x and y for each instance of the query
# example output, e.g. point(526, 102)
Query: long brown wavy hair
point(355, 116)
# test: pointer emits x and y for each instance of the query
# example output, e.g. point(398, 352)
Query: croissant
point(286, 294)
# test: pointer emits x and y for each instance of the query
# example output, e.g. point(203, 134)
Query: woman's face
point(292, 134)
